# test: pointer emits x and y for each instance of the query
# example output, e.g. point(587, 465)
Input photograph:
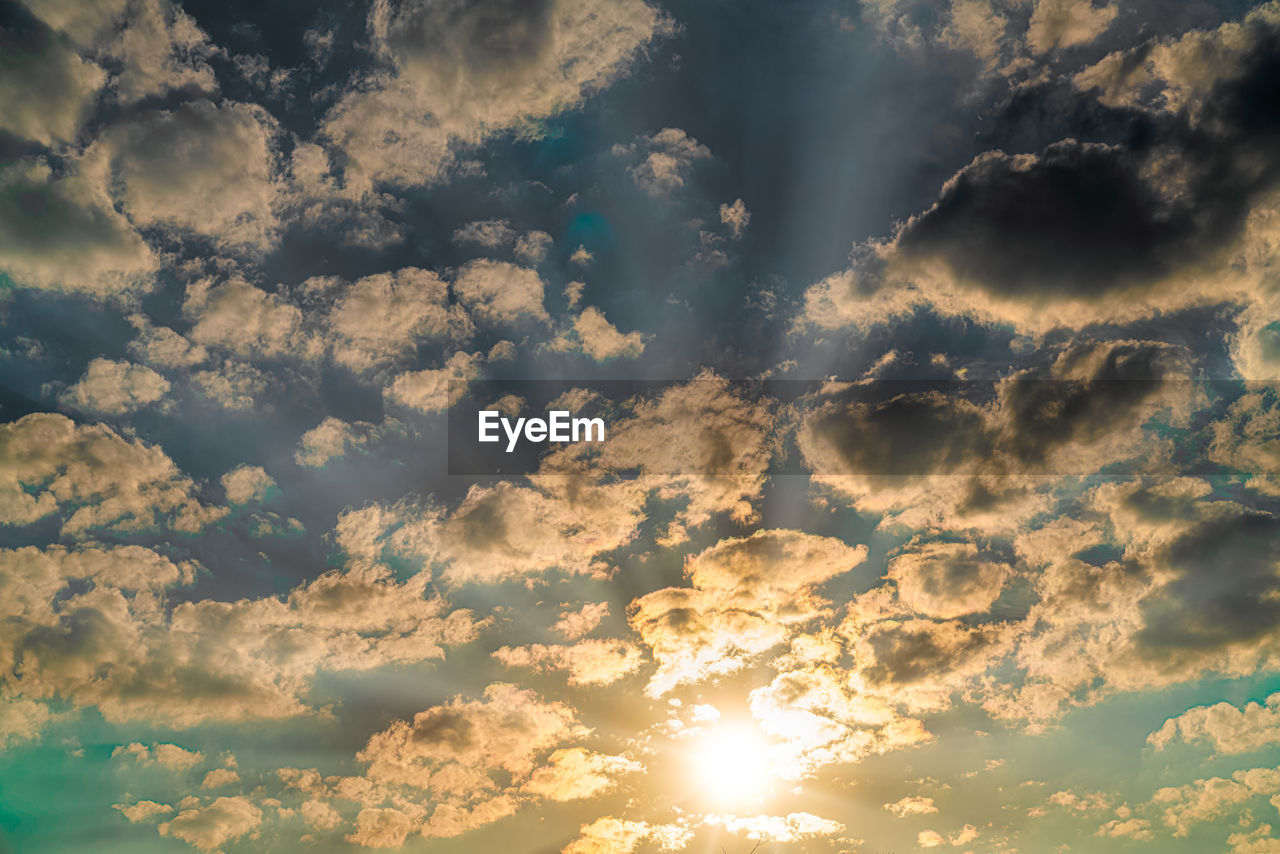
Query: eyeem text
point(556, 427)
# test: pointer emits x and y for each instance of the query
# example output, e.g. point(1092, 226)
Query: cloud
point(379, 319)
point(1226, 728)
point(381, 828)
point(745, 594)
point(219, 778)
point(912, 805)
point(155, 163)
point(946, 580)
point(93, 478)
point(49, 91)
point(736, 217)
point(453, 74)
point(666, 159)
point(1214, 798)
point(208, 827)
point(572, 625)
point(170, 756)
point(574, 773)
point(609, 835)
point(330, 439)
point(1061, 24)
point(241, 319)
point(247, 484)
point(589, 662)
point(598, 338)
point(498, 293)
point(435, 389)
point(94, 627)
point(162, 347)
point(109, 387)
point(490, 233)
point(778, 828)
point(59, 232)
point(142, 810)
point(508, 531)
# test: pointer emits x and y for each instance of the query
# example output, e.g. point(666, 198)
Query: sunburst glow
point(731, 764)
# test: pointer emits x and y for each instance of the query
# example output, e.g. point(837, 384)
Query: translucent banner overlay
point(1017, 426)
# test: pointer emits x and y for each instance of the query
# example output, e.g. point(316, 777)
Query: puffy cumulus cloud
point(152, 46)
point(1061, 24)
point(222, 154)
point(946, 580)
point(60, 232)
point(453, 74)
point(234, 385)
point(572, 625)
point(508, 531)
point(208, 827)
point(109, 387)
point(1183, 807)
point(736, 217)
point(245, 484)
point(381, 828)
point(897, 451)
point(975, 27)
point(921, 664)
point(142, 810)
point(532, 246)
point(93, 478)
point(436, 389)
point(220, 778)
point(244, 320)
point(481, 760)
point(1256, 841)
point(21, 719)
point(710, 446)
point(593, 661)
point(1176, 73)
point(455, 748)
point(819, 717)
point(598, 338)
point(1246, 438)
point(609, 835)
point(499, 293)
point(163, 347)
point(170, 756)
point(664, 160)
point(792, 827)
point(49, 90)
point(379, 319)
point(912, 805)
point(94, 627)
point(1150, 617)
point(489, 233)
point(745, 596)
point(329, 439)
point(1226, 728)
point(574, 773)
point(1182, 214)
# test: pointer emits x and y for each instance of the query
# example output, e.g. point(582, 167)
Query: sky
point(937, 345)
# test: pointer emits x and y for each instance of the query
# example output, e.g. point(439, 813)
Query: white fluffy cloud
point(453, 74)
point(246, 484)
point(59, 231)
point(94, 478)
point(222, 154)
point(109, 387)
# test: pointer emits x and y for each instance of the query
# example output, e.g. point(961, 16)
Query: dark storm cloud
point(1086, 219)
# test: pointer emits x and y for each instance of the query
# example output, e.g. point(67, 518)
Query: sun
point(731, 764)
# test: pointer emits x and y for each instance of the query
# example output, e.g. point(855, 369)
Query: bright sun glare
point(732, 765)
